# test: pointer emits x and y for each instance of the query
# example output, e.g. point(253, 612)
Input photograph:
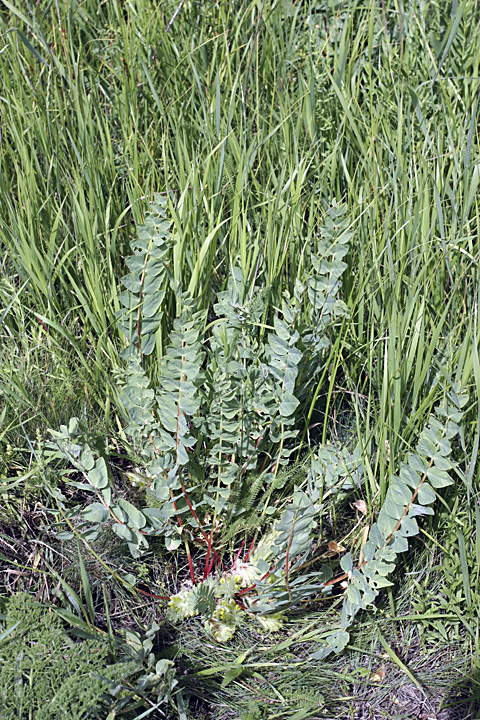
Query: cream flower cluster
point(225, 618)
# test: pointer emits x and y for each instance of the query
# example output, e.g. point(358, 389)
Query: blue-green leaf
point(122, 531)
point(426, 496)
point(96, 512)
point(135, 517)
point(409, 527)
point(288, 405)
point(438, 478)
point(98, 476)
point(87, 459)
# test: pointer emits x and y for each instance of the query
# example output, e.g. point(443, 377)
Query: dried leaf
point(335, 547)
point(377, 676)
point(361, 506)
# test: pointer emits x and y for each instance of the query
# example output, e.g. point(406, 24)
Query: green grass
point(253, 117)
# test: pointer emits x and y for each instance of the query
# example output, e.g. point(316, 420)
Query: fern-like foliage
point(324, 281)
point(319, 301)
point(147, 282)
point(410, 495)
point(226, 405)
point(289, 545)
point(283, 358)
point(229, 424)
point(178, 399)
point(227, 399)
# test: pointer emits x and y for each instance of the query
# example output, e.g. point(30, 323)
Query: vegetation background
point(252, 118)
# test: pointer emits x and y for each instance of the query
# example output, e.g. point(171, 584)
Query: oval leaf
point(87, 459)
point(288, 405)
point(135, 517)
point(96, 512)
point(123, 532)
point(439, 478)
point(98, 476)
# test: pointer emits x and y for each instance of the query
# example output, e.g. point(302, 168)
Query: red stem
point(209, 569)
point(239, 552)
point(42, 324)
point(157, 597)
point(187, 499)
point(249, 550)
point(189, 557)
point(252, 587)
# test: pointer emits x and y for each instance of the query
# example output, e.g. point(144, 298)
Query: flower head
point(182, 605)
point(244, 573)
point(271, 623)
